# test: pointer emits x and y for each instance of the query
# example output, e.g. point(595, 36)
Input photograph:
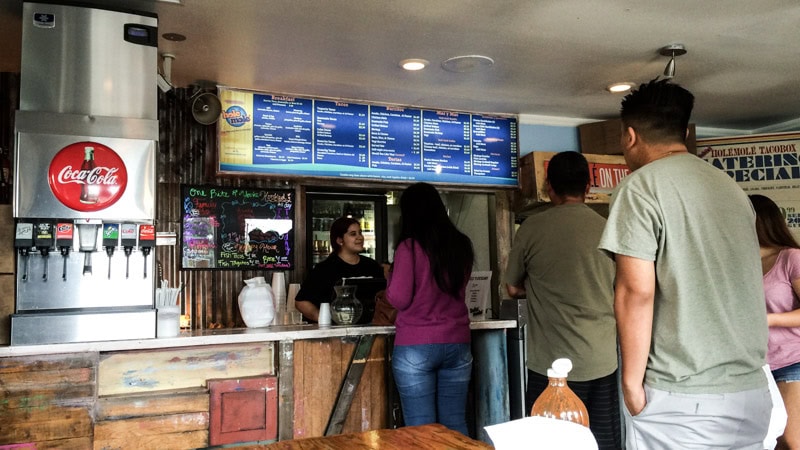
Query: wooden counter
point(425, 437)
point(143, 393)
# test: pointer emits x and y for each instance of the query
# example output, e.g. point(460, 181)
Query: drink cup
point(324, 314)
point(168, 321)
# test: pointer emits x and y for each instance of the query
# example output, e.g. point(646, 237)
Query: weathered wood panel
point(47, 424)
point(153, 370)
point(152, 404)
point(319, 368)
point(176, 431)
point(65, 444)
point(47, 399)
point(163, 419)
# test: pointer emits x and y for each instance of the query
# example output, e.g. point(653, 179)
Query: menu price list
point(395, 138)
point(344, 139)
point(281, 129)
point(341, 133)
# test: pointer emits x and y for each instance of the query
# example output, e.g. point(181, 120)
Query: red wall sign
point(87, 176)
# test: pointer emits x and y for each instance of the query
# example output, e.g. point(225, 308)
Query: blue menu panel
point(395, 138)
point(336, 138)
point(495, 150)
point(446, 142)
point(281, 129)
point(340, 133)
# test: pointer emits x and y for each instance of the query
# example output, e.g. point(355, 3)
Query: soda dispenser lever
point(64, 233)
point(43, 240)
point(110, 241)
point(128, 235)
point(23, 241)
point(147, 240)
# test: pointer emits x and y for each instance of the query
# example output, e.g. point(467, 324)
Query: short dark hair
point(568, 173)
point(771, 226)
point(659, 111)
point(339, 228)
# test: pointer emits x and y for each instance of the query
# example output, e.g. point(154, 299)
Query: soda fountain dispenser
point(85, 155)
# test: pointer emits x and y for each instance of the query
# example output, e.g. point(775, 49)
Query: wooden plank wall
point(187, 155)
point(48, 400)
point(319, 368)
point(152, 397)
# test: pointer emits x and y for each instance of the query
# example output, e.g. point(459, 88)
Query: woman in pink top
point(780, 261)
point(432, 361)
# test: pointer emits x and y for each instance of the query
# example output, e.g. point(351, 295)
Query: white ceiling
point(553, 58)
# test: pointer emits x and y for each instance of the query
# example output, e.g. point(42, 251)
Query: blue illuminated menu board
point(281, 129)
point(341, 133)
point(446, 142)
point(395, 138)
point(290, 136)
point(493, 137)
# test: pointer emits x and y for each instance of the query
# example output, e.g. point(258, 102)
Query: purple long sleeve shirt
point(425, 314)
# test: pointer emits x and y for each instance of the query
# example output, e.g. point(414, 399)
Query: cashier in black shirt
point(344, 262)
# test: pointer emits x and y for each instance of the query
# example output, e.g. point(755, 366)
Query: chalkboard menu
point(292, 136)
point(237, 228)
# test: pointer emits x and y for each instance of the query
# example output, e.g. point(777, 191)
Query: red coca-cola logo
point(87, 176)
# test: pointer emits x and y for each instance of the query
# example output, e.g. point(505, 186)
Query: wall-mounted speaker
point(206, 108)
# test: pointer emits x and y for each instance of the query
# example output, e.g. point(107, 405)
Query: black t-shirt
point(318, 288)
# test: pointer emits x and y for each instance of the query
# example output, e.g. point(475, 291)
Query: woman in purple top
point(432, 361)
point(780, 262)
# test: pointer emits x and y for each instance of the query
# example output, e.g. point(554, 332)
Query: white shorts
point(672, 420)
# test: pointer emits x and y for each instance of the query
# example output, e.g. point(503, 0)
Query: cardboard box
point(603, 138)
point(606, 171)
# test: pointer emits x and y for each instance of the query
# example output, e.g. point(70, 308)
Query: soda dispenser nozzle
point(147, 240)
point(64, 234)
point(43, 240)
point(23, 241)
point(127, 233)
point(110, 241)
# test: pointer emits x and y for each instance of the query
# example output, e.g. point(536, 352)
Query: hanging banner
point(766, 164)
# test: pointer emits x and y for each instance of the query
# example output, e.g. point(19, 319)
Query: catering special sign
point(766, 164)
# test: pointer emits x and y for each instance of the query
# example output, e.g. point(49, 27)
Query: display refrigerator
point(325, 207)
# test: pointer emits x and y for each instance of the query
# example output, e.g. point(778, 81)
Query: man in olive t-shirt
point(689, 300)
point(568, 283)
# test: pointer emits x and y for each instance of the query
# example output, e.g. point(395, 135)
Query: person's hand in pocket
point(635, 399)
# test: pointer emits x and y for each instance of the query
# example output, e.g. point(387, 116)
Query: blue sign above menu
point(291, 136)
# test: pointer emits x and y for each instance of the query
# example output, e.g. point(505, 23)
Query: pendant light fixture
point(672, 51)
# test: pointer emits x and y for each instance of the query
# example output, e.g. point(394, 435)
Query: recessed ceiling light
point(413, 64)
point(620, 87)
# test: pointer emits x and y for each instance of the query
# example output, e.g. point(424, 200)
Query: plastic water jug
point(256, 304)
point(557, 401)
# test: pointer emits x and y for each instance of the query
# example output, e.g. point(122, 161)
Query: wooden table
point(424, 437)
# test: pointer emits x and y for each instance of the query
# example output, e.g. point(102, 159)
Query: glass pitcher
point(345, 308)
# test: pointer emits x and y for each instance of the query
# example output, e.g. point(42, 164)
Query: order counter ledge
point(225, 336)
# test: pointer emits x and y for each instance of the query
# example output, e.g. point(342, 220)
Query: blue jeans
point(433, 380)
point(788, 374)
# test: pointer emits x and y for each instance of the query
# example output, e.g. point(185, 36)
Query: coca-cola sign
point(87, 176)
